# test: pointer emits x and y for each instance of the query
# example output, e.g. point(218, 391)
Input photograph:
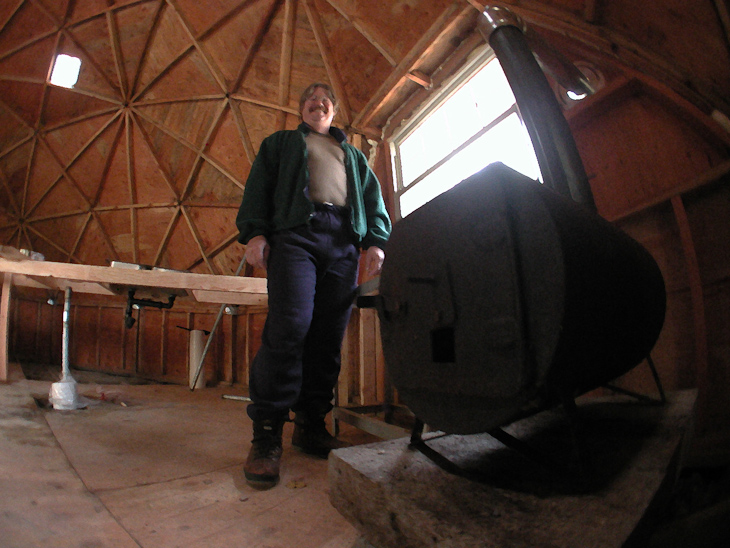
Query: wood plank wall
point(662, 174)
point(157, 346)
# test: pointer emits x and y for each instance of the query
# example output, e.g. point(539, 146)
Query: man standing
point(310, 203)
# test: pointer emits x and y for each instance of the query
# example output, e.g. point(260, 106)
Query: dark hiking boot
point(262, 465)
point(311, 436)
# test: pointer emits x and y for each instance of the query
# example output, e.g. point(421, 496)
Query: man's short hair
point(307, 93)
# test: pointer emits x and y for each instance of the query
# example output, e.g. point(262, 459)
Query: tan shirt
point(326, 164)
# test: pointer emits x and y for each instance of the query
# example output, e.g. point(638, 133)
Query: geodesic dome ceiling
point(144, 160)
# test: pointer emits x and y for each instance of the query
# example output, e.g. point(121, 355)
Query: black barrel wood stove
point(504, 297)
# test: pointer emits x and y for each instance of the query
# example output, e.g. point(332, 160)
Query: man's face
point(318, 110)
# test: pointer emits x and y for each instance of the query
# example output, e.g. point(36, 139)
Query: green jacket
point(276, 194)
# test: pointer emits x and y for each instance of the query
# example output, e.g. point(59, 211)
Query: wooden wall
point(157, 346)
point(660, 169)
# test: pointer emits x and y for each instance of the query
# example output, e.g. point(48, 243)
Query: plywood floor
point(152, 466)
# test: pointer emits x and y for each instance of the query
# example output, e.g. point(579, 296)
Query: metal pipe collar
point(495, 17)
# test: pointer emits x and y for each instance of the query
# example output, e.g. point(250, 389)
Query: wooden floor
point(151, 466)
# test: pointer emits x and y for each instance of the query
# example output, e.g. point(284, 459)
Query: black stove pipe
point(557, 155)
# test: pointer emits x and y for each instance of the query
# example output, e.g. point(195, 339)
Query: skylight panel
point(65, 71)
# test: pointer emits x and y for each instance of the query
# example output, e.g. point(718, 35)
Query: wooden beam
point(370, 33)
point(168, 234)
point(198, 151)
point(117, 51)
point(198, 239)
point(209, 63)
point(131, 185)
point(18, 5)
point(145, 51)
point(333, 74)
point(408, 63)
point(98, 279)
point(7, 280)
point(228, 297)
point(80, 235)
point(698, 309)
point(423, 80)
point(285, 68)
point(150, 147)
point(242, 133)
point(261, 30)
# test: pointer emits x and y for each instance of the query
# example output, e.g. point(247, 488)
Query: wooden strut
point(212, 332)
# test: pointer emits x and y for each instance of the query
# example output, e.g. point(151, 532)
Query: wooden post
point(4, 323)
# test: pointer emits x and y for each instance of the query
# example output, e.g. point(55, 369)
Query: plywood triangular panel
point(211, 186)
point(62, 232)
point(14, 166)
point(186, 121)
point(307, 64)
point(92, 77)
point(114, 189)
point(89, 167)
point(11, 211)
point(118, 225)
point(150, 183)
point(17, 31)
point(262, 78)
point(152, 225)
point(168, 42)
point(135, 25)
point(31, 62)
point(191, 69)
point(23, 99)
point(98, 52)
point(57, 9)
point(177, 158)
point(232, 37)
point(56, 200)
point(226, 147)
point(12, 128)
point(44, 172)
point(213, 225)
point(202, 16)
point(30, 239)
point(229, 259)
point(93, 245)
point(67, 141)
point(181, 248)
point(259, 121)
point(8, 233)
point(355, 56)
point(65, 106)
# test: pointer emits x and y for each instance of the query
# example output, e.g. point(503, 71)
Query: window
point(472, 122)
point(65, 71)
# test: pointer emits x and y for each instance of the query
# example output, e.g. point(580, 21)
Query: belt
point(328, 206)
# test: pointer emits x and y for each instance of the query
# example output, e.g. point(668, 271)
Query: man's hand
point(374, 258)
point(257, 252)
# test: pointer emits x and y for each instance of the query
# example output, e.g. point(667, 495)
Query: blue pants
point(312, 280)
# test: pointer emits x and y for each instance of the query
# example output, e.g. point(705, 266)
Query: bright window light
point(65, 71)
point(475, 122)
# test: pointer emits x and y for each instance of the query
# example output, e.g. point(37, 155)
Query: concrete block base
point(472, 491)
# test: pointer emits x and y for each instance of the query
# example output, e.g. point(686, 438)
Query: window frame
point(477, 61)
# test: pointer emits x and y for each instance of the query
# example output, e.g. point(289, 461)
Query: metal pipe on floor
point(65, 367)
point(64, 394)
